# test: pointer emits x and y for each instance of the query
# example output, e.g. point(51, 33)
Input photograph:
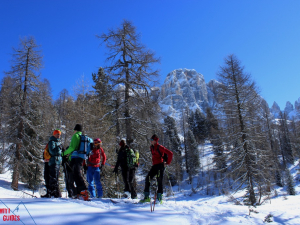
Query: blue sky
point(193, 34)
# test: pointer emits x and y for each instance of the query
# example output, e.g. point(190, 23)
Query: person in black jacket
point(128, 174)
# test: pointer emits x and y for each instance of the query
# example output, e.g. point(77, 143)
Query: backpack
point(165, 156)
point(132, 158)
point(86, 145)
point(46, 155)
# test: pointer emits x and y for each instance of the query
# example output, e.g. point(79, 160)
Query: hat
point(122, 142)
point(97, 140)
point(78, 127)
point(154, 137)
point(56, 132)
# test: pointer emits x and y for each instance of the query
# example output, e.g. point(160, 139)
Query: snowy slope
point(183, 208)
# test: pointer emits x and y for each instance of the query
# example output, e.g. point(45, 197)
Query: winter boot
point(159, 197)
point(84, 195)
point(126, 194)
point(46, 196)
point(146, 198)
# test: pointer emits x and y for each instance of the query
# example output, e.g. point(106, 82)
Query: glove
point(101, 167)
point(65, 159)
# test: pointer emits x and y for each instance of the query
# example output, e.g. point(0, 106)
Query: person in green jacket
point(76, 164)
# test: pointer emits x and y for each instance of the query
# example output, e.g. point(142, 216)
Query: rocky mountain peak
point(183, 88)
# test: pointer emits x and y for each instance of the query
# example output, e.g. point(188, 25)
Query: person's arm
point(169, 153)
point(51, 146)
point(103, 156)
point(73, 145)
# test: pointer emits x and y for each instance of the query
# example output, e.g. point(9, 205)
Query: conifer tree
point(212, 126)
point(24, 113)
point(285, 142)
point(173, 143)
point(290, 182)
point(193, 160)
point(198, 126)
point(103, 89)
point(219, 155)
point(130, 65)
point(240, 107)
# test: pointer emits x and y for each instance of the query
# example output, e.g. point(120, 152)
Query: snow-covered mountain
point(292, 111)
point(186, 88)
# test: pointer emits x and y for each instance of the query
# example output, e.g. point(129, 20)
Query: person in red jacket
point(157, 169)
point(94, 166)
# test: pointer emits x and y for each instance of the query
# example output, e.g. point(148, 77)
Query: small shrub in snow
point(269, 218)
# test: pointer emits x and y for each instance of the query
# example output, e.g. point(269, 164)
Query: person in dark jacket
point(93, 171)
point(128, 174)
point(55, 149)
point(157, 169)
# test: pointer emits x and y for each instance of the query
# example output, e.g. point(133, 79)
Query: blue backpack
point(86, 145)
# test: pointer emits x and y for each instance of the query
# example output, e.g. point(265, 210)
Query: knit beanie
point(78, 127)
point(154, 137)
point(56, 132)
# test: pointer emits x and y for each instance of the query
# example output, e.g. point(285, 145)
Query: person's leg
point(90, 175)
point(131, 179)
point(125, 179)
point(53, 181)
point(97, 178)
point(160, 178)
point(78, 178)
point(149, 176)
point(72, 192)
point(57, 191)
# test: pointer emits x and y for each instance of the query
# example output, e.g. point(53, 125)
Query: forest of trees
point(252, 150)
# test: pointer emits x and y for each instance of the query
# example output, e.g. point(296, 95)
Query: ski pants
point(129, 180)
point(158, 171)
point(69, 180)
point(93, 177)
point(76, 166)
point(53, 180)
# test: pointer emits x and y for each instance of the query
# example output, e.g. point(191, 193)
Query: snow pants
point(76, 166)
point(129, 181)
point(53, 180)
point(69, 179)
point(158, 171)
point(93, 177)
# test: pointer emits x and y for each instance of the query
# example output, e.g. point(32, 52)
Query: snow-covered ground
point(183, 208)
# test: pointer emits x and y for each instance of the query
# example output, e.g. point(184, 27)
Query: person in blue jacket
point(55, 149)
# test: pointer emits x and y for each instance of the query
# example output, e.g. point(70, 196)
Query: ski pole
point(150, 194)
point(155, 196)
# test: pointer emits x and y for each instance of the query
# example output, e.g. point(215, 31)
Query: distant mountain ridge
point(187, 88)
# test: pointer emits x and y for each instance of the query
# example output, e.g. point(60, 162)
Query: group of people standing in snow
point(73, 161)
